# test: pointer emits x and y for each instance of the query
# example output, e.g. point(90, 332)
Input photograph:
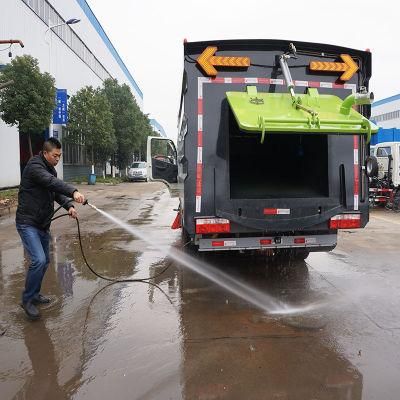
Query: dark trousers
point(36, 242)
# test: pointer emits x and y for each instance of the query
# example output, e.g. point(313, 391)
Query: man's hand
point(79, 197)
point(72, 213)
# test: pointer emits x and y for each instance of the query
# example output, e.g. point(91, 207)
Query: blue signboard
point(60, 113)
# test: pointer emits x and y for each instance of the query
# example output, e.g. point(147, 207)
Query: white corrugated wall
point(18, 21)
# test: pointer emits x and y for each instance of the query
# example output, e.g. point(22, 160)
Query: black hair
point(51, 143)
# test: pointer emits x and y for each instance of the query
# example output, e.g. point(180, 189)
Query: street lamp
point(70, 21)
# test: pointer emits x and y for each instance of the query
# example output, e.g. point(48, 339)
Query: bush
point(108, 180)
point(8, 198)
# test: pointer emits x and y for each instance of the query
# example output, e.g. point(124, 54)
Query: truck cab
point(388, 156)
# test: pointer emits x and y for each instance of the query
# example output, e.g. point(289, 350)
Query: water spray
point(252, 295)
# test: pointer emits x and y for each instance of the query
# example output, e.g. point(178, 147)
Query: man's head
point(52, 151)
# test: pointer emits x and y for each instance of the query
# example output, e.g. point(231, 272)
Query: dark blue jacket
point(39, 188)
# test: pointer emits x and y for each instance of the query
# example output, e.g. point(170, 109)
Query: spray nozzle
point(85, 202)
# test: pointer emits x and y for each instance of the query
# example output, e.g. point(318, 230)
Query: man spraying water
point(39, 188)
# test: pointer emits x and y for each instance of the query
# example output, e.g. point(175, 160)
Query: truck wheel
point(371, 166)
point(186, 241)
point(292, 254)
point(300, 254)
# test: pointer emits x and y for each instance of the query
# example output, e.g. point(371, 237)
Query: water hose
point(112, 280)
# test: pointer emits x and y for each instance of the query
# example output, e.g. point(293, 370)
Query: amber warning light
point(208, 61)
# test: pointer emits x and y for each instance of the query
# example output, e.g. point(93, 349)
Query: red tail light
point(345, 221)
point(212, 225)
point(265, 242)
point(299, 240)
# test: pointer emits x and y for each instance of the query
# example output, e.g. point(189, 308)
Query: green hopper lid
point(308, 113)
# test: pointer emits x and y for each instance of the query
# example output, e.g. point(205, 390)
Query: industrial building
point(386, 114)
point(76, 54)
point(158, 128)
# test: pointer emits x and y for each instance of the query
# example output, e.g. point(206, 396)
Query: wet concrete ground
point(130, 341)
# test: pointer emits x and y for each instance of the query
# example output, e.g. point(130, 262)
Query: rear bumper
point(310, 242)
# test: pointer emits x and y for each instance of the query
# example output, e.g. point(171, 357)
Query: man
point(38, 190)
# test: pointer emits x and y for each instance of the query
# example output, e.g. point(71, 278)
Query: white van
point(138, 171)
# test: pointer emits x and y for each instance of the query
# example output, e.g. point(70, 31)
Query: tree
point(29, 102)
point(145, 131)
point(132, 127)
point(90, 123)
point(125, 111)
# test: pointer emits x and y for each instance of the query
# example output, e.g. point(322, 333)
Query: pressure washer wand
point(90, 205)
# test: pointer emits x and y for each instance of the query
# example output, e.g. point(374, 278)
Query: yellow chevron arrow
point(349, 67)
point(207, 61)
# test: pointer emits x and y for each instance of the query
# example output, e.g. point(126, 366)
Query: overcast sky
point(149, 34)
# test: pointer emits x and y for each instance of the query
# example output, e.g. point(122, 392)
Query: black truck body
point(291, 192)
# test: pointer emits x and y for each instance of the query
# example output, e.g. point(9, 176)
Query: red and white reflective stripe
point(276, 211)
point(356, 173)
point(199, 164)
point(223, 243)
point(237, 80)
point(276, 82)
point(279, 82)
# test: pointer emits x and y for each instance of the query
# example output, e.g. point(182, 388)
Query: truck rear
point(272, 149)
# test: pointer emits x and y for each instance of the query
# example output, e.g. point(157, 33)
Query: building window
point(387, 116)
point(73, 153)
point(45, 11)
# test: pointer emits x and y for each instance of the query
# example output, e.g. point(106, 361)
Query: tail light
point(345, 221)
point(212, 225)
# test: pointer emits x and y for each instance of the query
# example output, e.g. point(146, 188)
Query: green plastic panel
point(309, 113)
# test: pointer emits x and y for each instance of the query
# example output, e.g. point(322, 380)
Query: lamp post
point(70, 21)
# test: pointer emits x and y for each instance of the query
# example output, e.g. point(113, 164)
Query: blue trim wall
point(96, 24)
point(385, 135)
point(385, 101)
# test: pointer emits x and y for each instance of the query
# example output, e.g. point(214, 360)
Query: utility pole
point(10, 42)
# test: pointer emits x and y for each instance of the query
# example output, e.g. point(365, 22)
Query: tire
point(293, 254)
point(371, 166)
point(300, 254)
point(188, 245)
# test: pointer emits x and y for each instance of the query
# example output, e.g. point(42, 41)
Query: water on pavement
point(127, 341)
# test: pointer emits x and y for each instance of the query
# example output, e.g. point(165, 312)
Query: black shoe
point(31, 311)
point(40, 299)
